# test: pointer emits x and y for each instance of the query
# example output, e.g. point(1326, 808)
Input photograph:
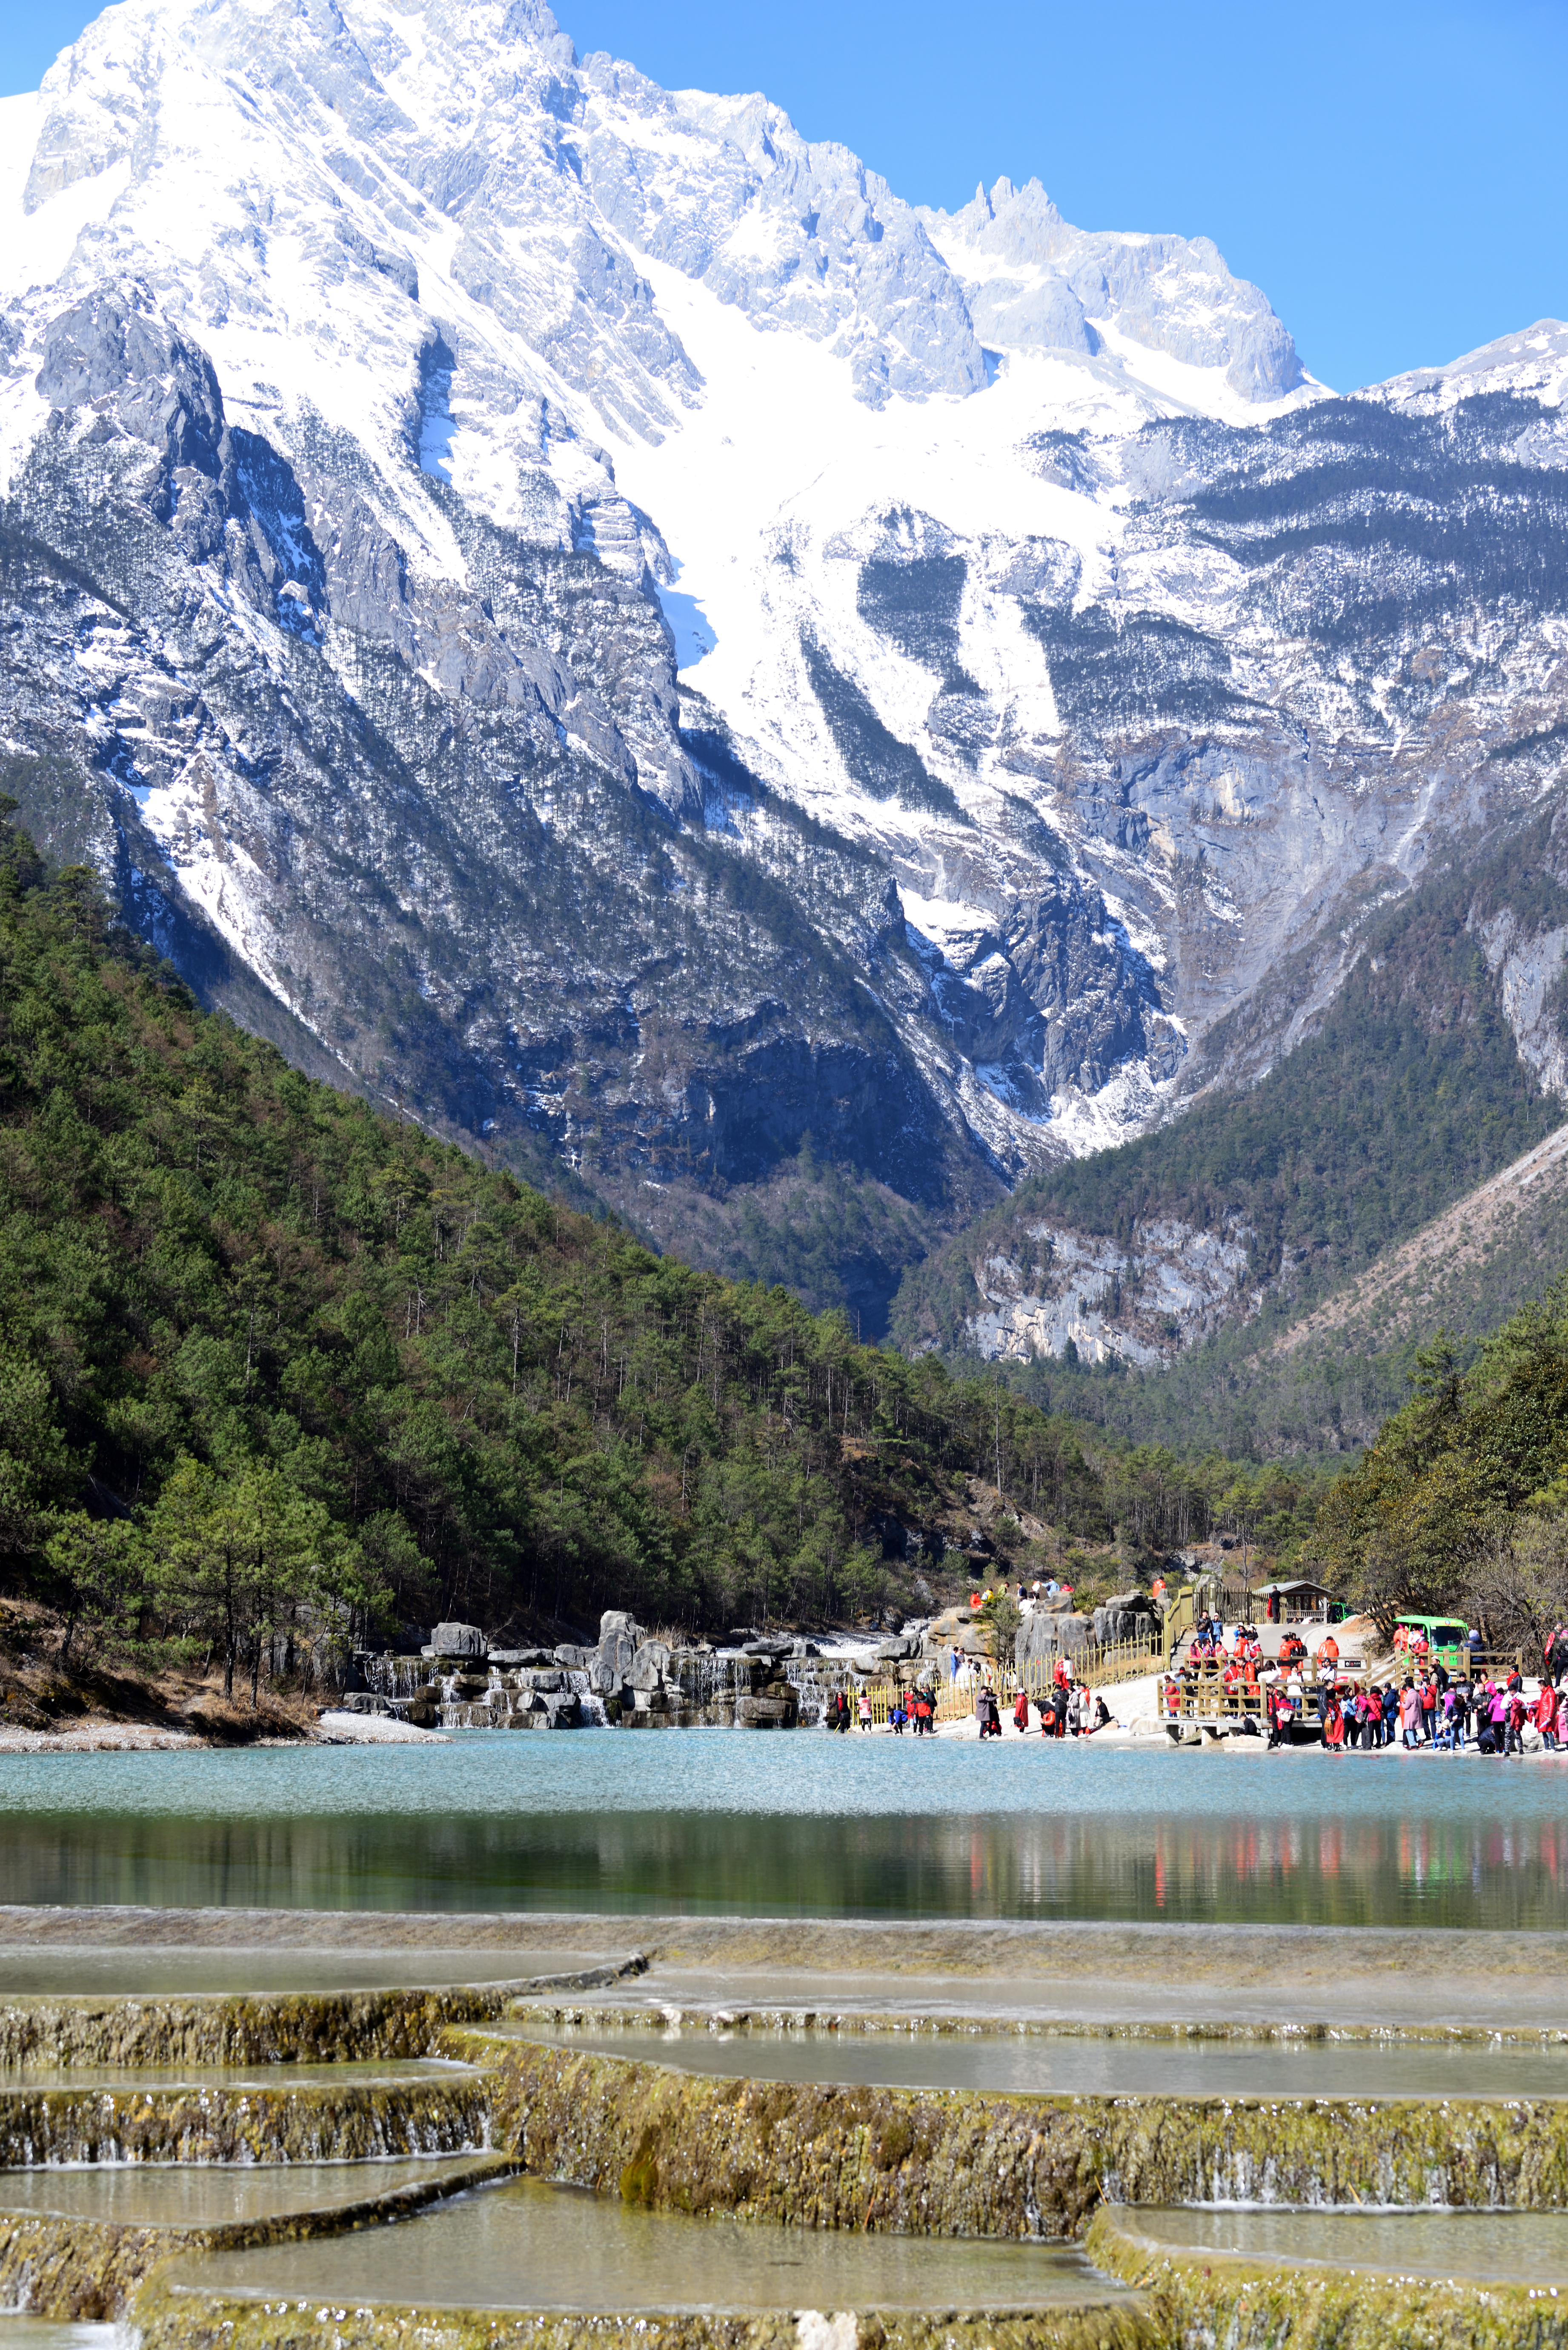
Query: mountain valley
point(577, 613)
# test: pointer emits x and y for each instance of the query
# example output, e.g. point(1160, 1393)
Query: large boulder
point(1042, 1638)
point(776, 1710)
point(649, 1665)
point(615, 1619)
point(458, 1640)
point(1125, 1615)
point(614, 1659)
point(573, 1659)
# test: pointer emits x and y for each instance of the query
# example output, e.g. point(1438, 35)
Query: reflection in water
point(1433, 1868)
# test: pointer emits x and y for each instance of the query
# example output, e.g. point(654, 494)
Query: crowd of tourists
point(1445, 1712)
point(1065, 1708)
point(1428, 1701)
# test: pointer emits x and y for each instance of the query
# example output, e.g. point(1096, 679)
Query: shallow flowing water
point(721, 1821)
point(525, 2245)
point(1508, 2247)
point(210, 2195)
point(1088, 2065)
point(20, 2332)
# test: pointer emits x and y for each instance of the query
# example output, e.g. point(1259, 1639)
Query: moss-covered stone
point(977, 2162)
point(916, 2023)
point(167, 2321)
point(910, 2162)
point(320, 2027)
point(318, 2122)
point(1200, 2299)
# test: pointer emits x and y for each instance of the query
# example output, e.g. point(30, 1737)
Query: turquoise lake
point(720, 1823)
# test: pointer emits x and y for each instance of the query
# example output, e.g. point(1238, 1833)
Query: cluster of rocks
point(459, 1682)
point(1053, 1628)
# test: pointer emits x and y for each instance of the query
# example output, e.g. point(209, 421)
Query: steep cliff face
point(1428, 1065)
point(576, 607)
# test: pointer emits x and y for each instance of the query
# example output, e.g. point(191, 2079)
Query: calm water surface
point(1090, 2067)
point(212, 2194)
point(719, 1821)
point(530, 2246)
point(1510, 2246)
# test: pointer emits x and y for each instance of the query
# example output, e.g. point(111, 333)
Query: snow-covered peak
point(1533, 364)
point(1035, 283)
point(407, 274)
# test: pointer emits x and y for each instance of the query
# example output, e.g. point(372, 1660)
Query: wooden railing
point(1207, 1700)
point(1100, 1666)
point(1180, 1617)
point(1119, 1660)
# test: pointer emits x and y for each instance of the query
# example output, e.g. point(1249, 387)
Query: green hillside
point(1462, 1502)
point(273, 1364)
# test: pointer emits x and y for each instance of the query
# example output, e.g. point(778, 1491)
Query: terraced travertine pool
point(370, 2074)
point(20, 2332)
point(704, 2043)
point(216, 2195)
point(1481, 2247)
point(526, 2245)
point(1084, 2064)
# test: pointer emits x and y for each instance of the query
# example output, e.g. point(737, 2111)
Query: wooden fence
point(1099, 1665)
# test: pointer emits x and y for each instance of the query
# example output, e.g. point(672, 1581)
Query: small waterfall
point(590, 1709)
point(395, 1677)
point(722, 1686)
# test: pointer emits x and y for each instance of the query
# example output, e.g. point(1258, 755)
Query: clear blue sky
point(1394, 175)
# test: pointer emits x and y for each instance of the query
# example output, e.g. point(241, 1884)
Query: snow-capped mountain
point(571, 602)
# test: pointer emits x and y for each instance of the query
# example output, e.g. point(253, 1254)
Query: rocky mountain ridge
point(1431, 1067)
point(574, 608)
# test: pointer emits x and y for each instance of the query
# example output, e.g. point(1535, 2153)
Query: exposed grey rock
point(1127, 1616)
point(359, 690)
point(649, 1665)
point(1171, 293)
point(458, 1641)
point(106, 354)
point(617, 1653)
point(769, 1712)
point(1042, 1637)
